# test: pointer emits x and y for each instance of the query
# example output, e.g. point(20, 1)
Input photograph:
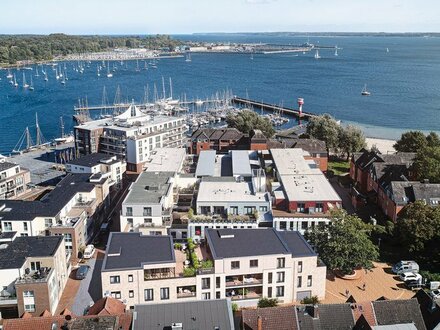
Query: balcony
point(245, 293)
point(186, 291)
point(160, 273)
point(244, 280)
point(38, 276)
point(7, 298)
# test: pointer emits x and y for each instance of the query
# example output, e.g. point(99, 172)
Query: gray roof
point(329, 317)
point(132, 250)
point(149, 188)
point(404, 192)
point(230, 243)
point(205, 164)
point(398, 312)
point(19, 249)
point(6, 165)
point(195, 315)
point(51, 204)
point(240, 163)
point(92, 160)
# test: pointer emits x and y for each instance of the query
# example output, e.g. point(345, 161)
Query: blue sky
point(189, 16)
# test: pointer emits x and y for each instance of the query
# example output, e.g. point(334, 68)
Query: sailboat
point(153, 65)
point(336, 50)
point(56, 73)
point(36, 72)
point(252, 56)
point(365, 92)
point(97, 69)
point(65, 74)
point(25, 85)
point(109, 74)
point(137, 66)
point(31, 87)
point(388, 50)
point(15, 81)
point(45, 76)
point(145, 65)
point(9, 76)
point(317, 56)
point(188, 57)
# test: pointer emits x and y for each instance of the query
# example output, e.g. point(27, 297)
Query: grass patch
point(339, 166)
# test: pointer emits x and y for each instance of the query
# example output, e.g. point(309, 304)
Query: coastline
point(385, 146)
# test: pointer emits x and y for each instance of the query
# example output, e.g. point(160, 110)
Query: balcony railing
point(39, 276)
point(186, 294)
point(205, 271)
point(250, 295)
point(245, 282)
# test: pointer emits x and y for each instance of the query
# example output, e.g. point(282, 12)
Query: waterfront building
point(248, 264)
point(132, 136)
point(220, 139)
point(303, 197)
point(74, 209)
point(33, 274)
point(14, 180)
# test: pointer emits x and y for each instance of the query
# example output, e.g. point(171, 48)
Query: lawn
point(339, 166)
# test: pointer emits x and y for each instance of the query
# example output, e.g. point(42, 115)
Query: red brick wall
point(41, 297)
point(322, 162)
point(258, 146)
point(200, 146)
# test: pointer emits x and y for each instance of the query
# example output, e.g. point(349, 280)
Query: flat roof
point(308, 188)
point(133, 250)
point(240, 163)
point(7, 165)
point(291, 162)
point(234, 243)
point(226, 189)
point(165, 160)
point(149, 187)
point(16, 252)
point(206, 314)
point(206, 163)
point(93, 160)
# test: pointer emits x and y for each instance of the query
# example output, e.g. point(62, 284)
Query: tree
point(411, 141)
point(344, 244)
point(351, 139)
point(248, 120)
point(267, 302)
point(313, 300)
point(325, 128)
point(427, 164)
point(433, 140)
point(418, 229)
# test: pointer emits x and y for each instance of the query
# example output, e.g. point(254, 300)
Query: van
point(405, 266)
point(89, 251)
point(408, 276)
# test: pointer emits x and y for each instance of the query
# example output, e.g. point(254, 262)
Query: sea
point(404, 83)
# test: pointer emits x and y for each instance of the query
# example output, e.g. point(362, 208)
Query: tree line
point(15, 48)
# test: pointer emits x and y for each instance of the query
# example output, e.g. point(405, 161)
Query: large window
point(269, 278)
point(148, 295)
point(309, 281)
point(319, 207)
point(206, 283)
point(116, 294)
point(206, 296)
point(129, 211)
point(115, 279)
point(164, 293)
point(28, 293)
point(35, 265)
point(233, 210)
point(48, 222)
point(7, 226)
point(300, 266)
point(235, 264)
point(281, 262)
point(147, 212)
point(253, 263)
point(249, 210)
point(280, 291)
point(280, 277)
point(263, 208)
point(29, 308)
point(301, 207)
point(299, 282)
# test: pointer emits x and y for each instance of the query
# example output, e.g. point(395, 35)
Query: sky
point(198, 16)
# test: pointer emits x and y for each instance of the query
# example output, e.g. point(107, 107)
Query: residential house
point(13, 180)
point(221, 140)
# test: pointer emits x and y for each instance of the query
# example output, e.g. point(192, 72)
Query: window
point(48, 223)
point(206, 296)
point(7, 226)
point(235, 264)
point(115, 279)
point(35, 265)
point(148, 295)
point(249, 210)
point(300, 266)
point(299, 282)
point(309, 281)
point(319, 207)
point(304, 225)
point(253, 263)
point(148, 220)
point(130, 278)
point(129, 211)
point(269, 278)
point(280, 277)
point(263, 208)
point(164, 293)
point(217, 282)
point(116, 294)
point(233, 210)
point(283, 225)
point(217, 295)
point(29, 308)
point(130, 294)
point(281, 262)
point(130, 221)
point(25, 226)
point(269, 292)
point(68, 238)
point(300, 207)
point(28, 293)
point(206, 283)
point(147, 211)
point(280, 291)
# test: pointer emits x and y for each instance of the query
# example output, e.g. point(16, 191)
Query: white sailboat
point(365, 92)
point(25, 85)
point(57, 76)
point(336, 50)
point(188, 57)
point(31, 87)
point(9, 75)
point(317, 56)
point(15, 81)
point(36, 72)
point(98, 72)
point(45, 76)
point(109, 74)
point(137, 66)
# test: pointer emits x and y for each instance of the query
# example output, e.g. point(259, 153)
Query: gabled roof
point(430, 309)
point(398, 312)
point(107, 306)
point(404, 192)
point(325, 317)
point(271, 318)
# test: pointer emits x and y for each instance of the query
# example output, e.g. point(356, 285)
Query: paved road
point(344, 193)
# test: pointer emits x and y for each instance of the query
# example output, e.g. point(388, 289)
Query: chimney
point(259, 323)
point(315, 312)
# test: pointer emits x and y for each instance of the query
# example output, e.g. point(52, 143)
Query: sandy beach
point(385, 146)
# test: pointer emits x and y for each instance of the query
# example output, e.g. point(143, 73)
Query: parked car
point(81, 272)
point(435, 294)
point(408, 276)
point(413, 284)
point(404, 266)
point(89, 251)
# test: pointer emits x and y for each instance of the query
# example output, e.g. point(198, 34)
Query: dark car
point(413, 284)
point(81, 272)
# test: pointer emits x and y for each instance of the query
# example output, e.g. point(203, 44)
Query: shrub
point(189, 272)
point(191, 213)
point(178, 246)
point(234, 307)
point(430, 277)
point(207, 264)
point(267, 302)
point(313, 300)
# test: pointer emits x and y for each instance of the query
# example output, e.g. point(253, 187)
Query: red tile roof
point(273, 318)
point(107, 306)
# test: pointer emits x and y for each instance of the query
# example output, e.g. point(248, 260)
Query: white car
point(435, 294)
point(409, 276)
point(89, 251)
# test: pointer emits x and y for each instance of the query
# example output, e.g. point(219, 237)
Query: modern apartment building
point(303, 197)
point(132, 135)
point(74, 209)
point(13, 180)
point(33, 274)
point(247, 264)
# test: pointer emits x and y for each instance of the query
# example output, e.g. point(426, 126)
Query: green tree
point(313, 300)
point(247, 120)
point(427, 164)
point(267, 302)
point(433, 140)
point(418, 229)
point(344, 244)
point(351, 139)
point(411, 141)
point(325, 128)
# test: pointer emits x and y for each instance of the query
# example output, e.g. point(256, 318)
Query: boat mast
point(171, 89)
point(61, 126)
point(38, 141)
point(28, 138)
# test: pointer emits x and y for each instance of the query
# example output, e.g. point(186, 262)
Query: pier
point(272, 107)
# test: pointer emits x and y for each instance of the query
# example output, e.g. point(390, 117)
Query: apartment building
point(74, 209)
point(13, 180)
point(33, 274)
point(99, 163)
point(132, 135)
point(303, 197)
point(222, 140)
point(247, 264)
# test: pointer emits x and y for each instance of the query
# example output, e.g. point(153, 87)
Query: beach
point(383, 145)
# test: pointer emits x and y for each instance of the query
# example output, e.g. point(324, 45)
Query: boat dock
point(272, 107)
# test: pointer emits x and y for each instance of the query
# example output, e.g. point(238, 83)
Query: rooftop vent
point(226, 233)
point(3, 246)
point(176, 326)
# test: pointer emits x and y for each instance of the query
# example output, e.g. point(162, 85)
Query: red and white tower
point(300, 105)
